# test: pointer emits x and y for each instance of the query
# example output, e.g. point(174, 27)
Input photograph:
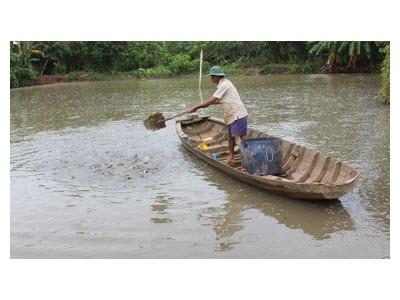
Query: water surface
point(89, 181)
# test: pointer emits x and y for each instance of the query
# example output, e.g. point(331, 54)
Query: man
point(235, 113)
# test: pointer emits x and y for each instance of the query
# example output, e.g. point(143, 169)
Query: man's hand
point(193, 109)
point(211, 101)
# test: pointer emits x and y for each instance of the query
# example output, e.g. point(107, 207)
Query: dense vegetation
point(103, 60)
point(385, 90)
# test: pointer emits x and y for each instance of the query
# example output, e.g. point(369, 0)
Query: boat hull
point(271, 183)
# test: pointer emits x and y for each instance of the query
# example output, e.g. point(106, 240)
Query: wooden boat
point(306, 173)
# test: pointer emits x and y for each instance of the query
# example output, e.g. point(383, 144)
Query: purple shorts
point(238, 127)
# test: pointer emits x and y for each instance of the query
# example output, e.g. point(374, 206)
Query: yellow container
point(202, 146)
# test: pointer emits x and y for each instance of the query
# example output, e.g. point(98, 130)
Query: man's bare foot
point(230, 161)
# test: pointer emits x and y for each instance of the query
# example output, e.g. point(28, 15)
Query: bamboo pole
point(200, 73)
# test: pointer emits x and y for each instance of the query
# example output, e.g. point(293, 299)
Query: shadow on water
point(319, 219)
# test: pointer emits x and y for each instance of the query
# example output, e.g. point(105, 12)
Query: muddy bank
point(270, 69)
point(50, 79)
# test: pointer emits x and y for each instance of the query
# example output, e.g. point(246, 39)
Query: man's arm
point(211, 101)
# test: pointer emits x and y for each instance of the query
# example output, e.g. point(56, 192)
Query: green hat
point(216, 71)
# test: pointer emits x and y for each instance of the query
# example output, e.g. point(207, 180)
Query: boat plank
point(311, 167)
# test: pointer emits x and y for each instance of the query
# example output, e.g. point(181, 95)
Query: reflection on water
point(315, 218)
point(161, 204)
point(89, 181)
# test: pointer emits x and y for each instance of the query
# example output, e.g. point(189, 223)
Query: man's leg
point(231, 147)
point(237, 132)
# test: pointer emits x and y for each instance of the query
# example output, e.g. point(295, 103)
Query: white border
point(201, 20)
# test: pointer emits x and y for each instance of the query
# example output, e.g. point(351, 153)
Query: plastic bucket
point(262, 156)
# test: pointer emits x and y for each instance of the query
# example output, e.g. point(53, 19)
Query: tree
point(333, 58)
point(354, 50)
point(21, 71)
point(340, 53)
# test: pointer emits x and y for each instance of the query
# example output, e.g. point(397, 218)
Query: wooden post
point(200, 73)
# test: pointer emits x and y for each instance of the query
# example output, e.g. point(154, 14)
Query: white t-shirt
point(233, 106)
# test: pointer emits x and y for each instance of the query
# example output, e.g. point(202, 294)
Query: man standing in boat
point(235, 113)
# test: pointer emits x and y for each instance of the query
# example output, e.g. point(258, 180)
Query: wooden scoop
point(157, 120)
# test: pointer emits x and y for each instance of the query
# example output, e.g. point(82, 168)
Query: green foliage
point(14, 70)
point(155, 72)
point(61, 57)
point(21, 71)
point(180, 63)
point(385, 69)
point(97, 76)
point(300, 68)
point(162, 59)
point(324, 46)
point(252, 54)
point(346, 53)
point(385, 47)
point(103, 56)
point(136, 55)
point(25, 76)
point(232, 69)
point(356, 48)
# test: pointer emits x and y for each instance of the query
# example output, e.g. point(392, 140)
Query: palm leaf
point(367, 49)
point(351, 48)
point(332, 46)
point(342, 46)
point(317, 48)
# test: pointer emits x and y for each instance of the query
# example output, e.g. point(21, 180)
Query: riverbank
point(160, 72)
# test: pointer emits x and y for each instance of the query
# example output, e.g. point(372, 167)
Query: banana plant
point(353, 50)
point(333, 58)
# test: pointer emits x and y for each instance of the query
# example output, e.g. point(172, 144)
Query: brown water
point(89, 181)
